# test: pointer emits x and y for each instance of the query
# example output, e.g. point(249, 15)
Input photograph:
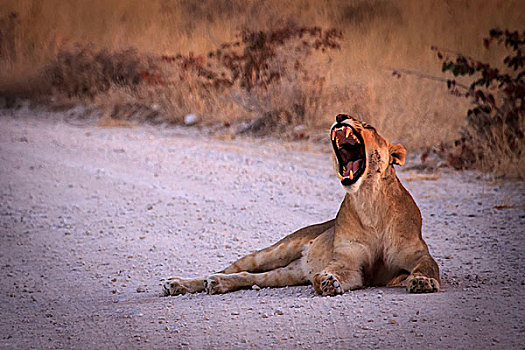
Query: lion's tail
point(281, 253)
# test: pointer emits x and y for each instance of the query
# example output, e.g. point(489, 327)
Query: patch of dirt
point(91, 220)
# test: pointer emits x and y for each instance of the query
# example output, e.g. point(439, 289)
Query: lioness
point(375, 239)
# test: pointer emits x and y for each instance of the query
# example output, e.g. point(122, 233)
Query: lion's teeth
point(340, 176)
point(351, 175)
point(348, 131)
point(333, 135)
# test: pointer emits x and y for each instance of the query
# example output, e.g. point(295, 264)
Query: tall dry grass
point(378, 36)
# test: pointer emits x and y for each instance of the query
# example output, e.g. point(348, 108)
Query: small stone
point(256, 287)
point(299, 131)
point(191, 119)
point(141, 289)
point(279, 312)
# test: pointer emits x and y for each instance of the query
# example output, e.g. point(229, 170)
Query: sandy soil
point(91, 220)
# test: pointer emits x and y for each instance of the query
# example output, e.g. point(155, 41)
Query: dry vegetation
point(108, 53)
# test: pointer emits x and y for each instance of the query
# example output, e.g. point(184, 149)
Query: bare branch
point(398, 71)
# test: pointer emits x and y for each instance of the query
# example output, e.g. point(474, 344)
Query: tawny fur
point(375, 239)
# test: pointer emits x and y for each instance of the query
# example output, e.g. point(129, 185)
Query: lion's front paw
point(422, 284)
point(327, 284)
point(174, 286)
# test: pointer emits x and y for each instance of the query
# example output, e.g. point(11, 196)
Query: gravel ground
point(91, 220)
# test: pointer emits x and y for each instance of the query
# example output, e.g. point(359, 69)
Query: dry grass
point(378, 35)
point(495, 152)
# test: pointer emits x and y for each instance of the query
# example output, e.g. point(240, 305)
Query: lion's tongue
point(354, 166)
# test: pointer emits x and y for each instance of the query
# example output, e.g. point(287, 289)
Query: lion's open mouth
point(350, 152)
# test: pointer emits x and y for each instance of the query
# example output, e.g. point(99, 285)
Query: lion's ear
point(398, 154)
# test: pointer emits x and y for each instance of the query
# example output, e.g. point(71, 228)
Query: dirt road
point(92, 218)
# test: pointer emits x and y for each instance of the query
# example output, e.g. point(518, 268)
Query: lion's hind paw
point(216, 284)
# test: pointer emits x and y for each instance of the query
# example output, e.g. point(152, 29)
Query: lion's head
point(360, 154)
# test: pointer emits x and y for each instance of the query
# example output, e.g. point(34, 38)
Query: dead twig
point(397, 73)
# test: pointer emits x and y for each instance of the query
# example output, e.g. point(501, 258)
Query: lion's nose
point(341, 117)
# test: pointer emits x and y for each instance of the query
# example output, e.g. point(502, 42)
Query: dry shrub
point(268, 73)
point(494, 137)
point(86, 72)
point(180, 92)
